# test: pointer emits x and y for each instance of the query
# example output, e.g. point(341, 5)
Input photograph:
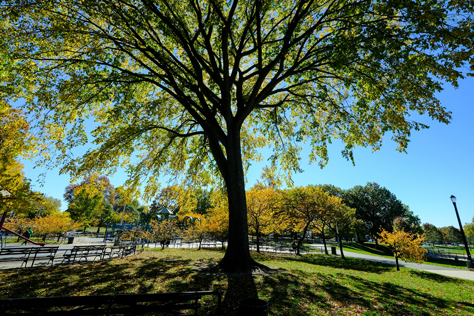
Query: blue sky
point(437, 165)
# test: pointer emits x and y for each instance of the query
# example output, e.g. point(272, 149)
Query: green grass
point(369, 249)
point(448, 249)
point(36, 239)
point(307, 285)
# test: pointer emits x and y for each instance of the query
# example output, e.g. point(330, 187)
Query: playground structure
point(18, 235)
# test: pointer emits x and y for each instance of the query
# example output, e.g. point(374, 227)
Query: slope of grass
point(307, 285)
point(368, 249)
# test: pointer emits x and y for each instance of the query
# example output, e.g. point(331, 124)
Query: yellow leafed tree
point(162, 231)
point(405, 246)
point(218, 217)
point(197, 229)
point(54, 225)
point(262, 216)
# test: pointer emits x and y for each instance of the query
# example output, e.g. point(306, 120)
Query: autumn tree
point(305, 206)
point(263, 217)
point(54, 224)
point(48, 206)
point(162, 231)
point(91, 201)
point(16, 193)
point(404, 245)
point(469, 230)
point(320, 225)
point(341, 220)
point(217, 219)
point(197, 230)
point(192, 90)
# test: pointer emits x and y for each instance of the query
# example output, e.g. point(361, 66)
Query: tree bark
point(300, 241)
point(396, 260)
point(324, 242)
point(258, 239)
point(237, 257)
point(340, 248)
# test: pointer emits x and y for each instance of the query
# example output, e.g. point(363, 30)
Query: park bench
point(44, 253)
point(136, 304)
point(27, 253)
point(16, 253)
point(115, 251)
point(84, 252)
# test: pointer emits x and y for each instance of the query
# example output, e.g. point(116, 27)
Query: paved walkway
point(450, 272)
point(82, 241)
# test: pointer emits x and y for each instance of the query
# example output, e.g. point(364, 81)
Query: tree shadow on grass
point(348, 263)
point(434, 277)
point(292, 293)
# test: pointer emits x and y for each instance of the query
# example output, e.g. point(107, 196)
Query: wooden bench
point(27, 253)
point(84, 252)
point(50, 254)
point(115, 251)
point(136, 304)
point(23, 252)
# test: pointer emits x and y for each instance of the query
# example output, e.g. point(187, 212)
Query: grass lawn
point(52, 240)
point(307, 285)
point(449, 249)
point(369, 248)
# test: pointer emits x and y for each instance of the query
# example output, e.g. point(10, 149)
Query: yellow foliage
point(162, 231)
point(405, 246)
point(18, 225)
point(54, 224)
point(262, 214)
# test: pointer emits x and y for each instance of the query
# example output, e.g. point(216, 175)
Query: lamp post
point(469, 260)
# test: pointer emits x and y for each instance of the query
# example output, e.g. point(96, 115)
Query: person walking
point(26, 234)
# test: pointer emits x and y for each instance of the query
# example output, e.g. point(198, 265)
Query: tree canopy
point(192, 89)
point(376, 206)
point(16, 193)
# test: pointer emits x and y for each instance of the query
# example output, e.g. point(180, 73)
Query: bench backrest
point(87, 248)
point(111, 304)
point(16, 251)
point(46, 249)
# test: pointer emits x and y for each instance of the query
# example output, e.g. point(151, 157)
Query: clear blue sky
point(438, 164)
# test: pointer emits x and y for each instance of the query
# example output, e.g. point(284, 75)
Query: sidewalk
point(82, 241)
point(450, 272)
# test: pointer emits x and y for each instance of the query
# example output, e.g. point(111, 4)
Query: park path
point(450, 272)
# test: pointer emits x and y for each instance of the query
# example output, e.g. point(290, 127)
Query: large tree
point(376, 206)
point(16, 141)
point(192, 89)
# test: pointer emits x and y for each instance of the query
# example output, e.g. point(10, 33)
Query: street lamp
point(469, 260)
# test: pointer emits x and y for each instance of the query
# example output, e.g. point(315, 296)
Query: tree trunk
point(237, 257)
point(396, 260)
point(258, 239)
point(376, 243)
point(300, 241)
point(340, 248)
point(324, 242)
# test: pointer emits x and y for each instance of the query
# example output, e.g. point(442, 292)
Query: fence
point(265, 245)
